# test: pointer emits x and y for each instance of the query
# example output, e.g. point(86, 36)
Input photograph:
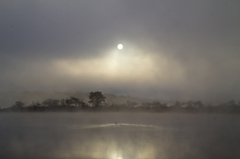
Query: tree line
point(70, 104)
point(97, 103)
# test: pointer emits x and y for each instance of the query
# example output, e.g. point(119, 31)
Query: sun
point(120, 46)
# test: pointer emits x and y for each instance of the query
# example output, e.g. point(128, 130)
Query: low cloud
point(174, 50)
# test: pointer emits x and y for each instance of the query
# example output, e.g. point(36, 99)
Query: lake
point(119, 136)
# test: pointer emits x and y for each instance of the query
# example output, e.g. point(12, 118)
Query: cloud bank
point(172, 49)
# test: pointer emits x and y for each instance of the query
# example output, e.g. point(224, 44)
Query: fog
point(8, 99)
point(172, 50)
point(134, 135)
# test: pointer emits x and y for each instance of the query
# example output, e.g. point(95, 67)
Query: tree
point(51, 102)
point(75, 101)
point(131, 104)
point(72, 101)
point(199, 104)
point(19, 104)
point(36, 104)
point(63, 102)
point(68, 102)
point(96, 98)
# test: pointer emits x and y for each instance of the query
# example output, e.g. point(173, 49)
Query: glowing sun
point(120, 46)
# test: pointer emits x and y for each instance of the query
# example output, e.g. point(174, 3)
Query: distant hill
point(7, 99)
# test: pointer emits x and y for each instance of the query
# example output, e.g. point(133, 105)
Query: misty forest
point(97, 102)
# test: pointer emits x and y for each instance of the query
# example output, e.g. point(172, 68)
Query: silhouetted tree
point(36, 104)
point(96, 98)
point(231, 103)
point(75, 101)
point(51, 102)
point(131, 104)
point(68, 102)
point(199, 104)
point(18, 104)
point(72, 101)
point(63, 102)
point(190, 104)
point(157, 104)
point(177, 104)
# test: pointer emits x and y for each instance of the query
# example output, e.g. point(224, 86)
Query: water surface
point(119, 136)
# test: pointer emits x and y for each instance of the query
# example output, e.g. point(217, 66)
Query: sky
point(174, 50)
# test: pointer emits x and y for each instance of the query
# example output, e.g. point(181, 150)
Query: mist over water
point(133, 136)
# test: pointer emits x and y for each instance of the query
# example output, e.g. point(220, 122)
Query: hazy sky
point(173, 49)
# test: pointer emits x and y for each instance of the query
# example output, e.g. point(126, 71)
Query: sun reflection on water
point(116, 155)
point(110, 141)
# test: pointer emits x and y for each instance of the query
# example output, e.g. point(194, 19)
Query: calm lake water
point(134, 136)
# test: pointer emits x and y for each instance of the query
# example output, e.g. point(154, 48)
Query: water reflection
point(90, 136)
point(108, 146)
point(111, 125)
point(114, 141)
